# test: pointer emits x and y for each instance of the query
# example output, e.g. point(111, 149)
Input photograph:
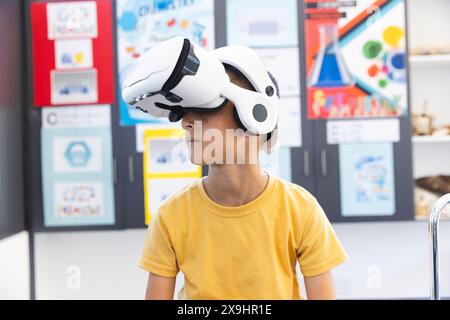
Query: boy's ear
point(237, 119)
point(270, 142)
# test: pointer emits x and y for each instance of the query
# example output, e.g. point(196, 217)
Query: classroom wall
point(387, 260)
point(14, 267)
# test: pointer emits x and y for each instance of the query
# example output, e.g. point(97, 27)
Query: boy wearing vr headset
point(239, 232)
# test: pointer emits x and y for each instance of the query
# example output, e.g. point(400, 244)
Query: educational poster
point(356, 58)
point(367, 185)
point(76, 155)
point(72, 47)
point(277, 163)
point(143, 23)
point(159, 189)
point(272, 30)
point(141, 128)
point(167, 167)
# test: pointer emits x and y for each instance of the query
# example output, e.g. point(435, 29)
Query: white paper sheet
point(76, 117)
point(75, 19)
point(355, 131)
point(73, 54)
point(289, 123)
point(283, 64)
point(74, 87)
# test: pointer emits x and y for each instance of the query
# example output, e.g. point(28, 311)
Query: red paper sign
point(72, 48)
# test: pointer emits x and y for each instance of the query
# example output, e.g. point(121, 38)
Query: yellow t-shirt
point(244, 252)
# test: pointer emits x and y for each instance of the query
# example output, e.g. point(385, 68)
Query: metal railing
point(433, 233)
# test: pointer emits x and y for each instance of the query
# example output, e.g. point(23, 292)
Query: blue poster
point(76, 154)
point(367, 179)
point(142, 24)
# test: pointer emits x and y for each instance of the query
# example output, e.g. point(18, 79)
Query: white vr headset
point(175, 77)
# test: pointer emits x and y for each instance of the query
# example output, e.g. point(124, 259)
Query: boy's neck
point(235, 185)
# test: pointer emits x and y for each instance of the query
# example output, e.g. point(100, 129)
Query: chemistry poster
point(373, 83)
point(143, 23)
point(77, 176)
point(72, 48)
point(368, 187)
point(167, 167)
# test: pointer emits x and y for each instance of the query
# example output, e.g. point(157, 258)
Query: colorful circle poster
point(356, 59)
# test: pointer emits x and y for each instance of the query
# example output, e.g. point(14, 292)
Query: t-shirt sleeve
point(320, 249)
point(158, 255)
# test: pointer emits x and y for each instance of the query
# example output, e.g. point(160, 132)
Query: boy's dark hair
point(238, 78)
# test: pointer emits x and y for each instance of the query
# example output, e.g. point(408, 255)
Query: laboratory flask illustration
point(329, 69)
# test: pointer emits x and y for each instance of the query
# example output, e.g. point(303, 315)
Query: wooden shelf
point(431, 59)
point(431, 139)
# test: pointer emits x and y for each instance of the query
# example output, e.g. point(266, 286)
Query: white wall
point(106, 262)
point(89, 265)
point(387, 260)
point(14, 267)
point(390, 260)
point(428, 22)
point(429, 26)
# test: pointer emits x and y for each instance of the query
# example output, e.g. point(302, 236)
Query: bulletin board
point(359, 108)
point(72, 53)
point(80, 192)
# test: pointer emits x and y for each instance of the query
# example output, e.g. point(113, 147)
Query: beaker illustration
point(329, 69)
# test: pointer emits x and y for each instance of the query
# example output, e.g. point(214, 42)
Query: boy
point(238, 232)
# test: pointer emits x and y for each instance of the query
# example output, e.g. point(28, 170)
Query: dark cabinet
point(12, 206)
